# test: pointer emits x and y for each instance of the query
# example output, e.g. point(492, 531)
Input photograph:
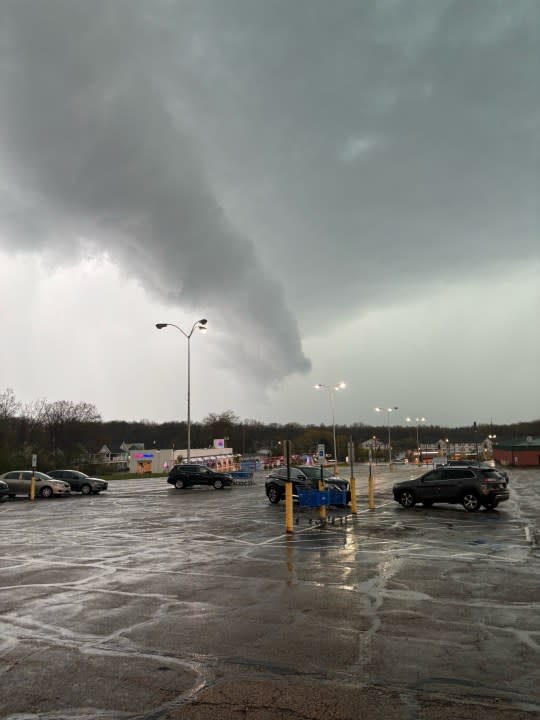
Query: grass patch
point(132, 476)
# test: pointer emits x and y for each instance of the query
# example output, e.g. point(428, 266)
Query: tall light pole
point(492, 439)
point(200, 325)
point(417, 420)
point(332, 390)
point(388, 411)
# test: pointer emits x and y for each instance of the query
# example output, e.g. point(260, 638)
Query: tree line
point(64, 433)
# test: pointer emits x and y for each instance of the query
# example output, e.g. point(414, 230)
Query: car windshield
point(315, 472)
point(491, 474)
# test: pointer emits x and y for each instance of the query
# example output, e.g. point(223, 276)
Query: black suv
point(305, 477)
point(185, 476)
point(479, 464)
point(470, 486)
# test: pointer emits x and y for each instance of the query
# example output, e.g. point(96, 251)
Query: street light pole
point(200, 325)
point(492, 439)
point(388, 411)
point(332, 391)
point(418, 420)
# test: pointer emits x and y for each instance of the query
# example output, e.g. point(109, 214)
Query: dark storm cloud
point(236, 154)
point(96, 149)
point(405, 135)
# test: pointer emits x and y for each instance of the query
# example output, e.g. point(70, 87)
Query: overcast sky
point(346, 190)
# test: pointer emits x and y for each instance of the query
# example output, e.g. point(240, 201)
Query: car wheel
point(470, 501)
point(218, 484)
point(407, 499)
point(427, 503)
point(45, 492)
point(86, 490)
point(274, 494)
point(179, 484)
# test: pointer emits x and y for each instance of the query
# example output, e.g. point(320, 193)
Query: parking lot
point(150, 602)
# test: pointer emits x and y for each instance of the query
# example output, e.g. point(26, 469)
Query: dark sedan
point(79, 481)
point(5, 492)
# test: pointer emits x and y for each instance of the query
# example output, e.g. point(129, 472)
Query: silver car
point(19, 482)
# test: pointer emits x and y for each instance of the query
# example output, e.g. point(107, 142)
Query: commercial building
point(156, 461)
point(524, 453)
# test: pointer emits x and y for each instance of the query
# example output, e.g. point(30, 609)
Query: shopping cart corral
point(242, 477)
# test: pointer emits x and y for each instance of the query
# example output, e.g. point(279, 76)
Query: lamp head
point(318, 386)
point(160, 326)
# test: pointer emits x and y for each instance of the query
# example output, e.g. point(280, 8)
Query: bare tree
point(64, 421)
point(9, 405)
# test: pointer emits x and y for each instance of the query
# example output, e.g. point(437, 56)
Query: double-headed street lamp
point(200, 325)
point(417, 420)
point(388, 411)
point(332, 389)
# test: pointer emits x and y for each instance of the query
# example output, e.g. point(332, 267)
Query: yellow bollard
point(322, 508)
point(353, 495)
point(33, 488)
point(371, 494)
point(288, 507)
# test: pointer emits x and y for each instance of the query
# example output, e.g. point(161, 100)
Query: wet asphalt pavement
point(152, 603)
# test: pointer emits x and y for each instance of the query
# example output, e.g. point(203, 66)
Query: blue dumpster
point(314, 498)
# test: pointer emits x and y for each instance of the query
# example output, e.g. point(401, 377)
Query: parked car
point(79, 481)
point(488, 464)
point(5, 492)
point(19, 482)
point(304, 477)
point(186, 476)
point(470, 486)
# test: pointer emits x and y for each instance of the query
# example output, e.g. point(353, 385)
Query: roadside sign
point(321, 455)
point(34, 462)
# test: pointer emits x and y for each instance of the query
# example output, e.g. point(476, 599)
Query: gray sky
point(347, 191)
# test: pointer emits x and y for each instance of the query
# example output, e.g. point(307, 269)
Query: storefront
point(160, 461)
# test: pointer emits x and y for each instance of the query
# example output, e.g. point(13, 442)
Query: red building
point(521, 453)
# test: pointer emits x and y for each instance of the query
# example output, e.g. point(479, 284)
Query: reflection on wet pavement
point(129, 603)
